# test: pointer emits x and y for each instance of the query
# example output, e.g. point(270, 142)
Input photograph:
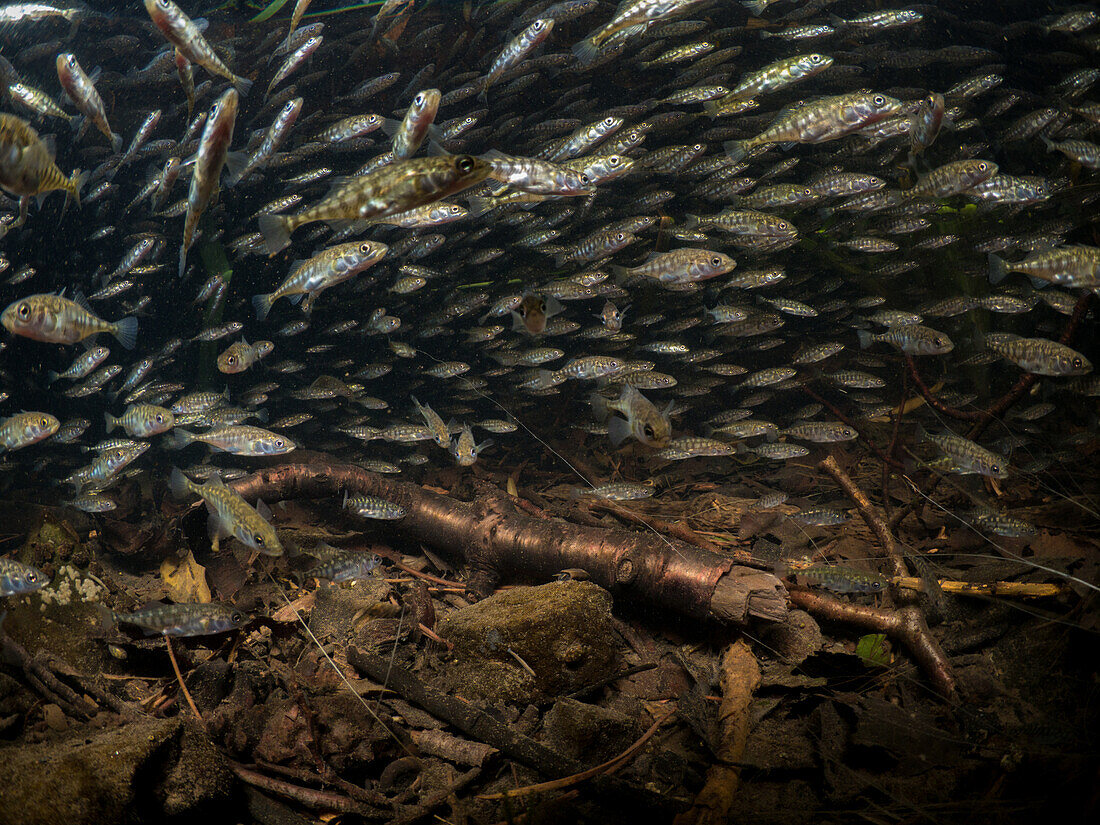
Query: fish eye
point(983, 166)
point(619, 236)
point(609, 121)
point(236, 617)
point(279, 443)
point(539, 25)
point(456, 210)
point(31, 576)
point(45, 422)
point(715, 261)
point(232, 359)
point(585, 180)
point(1077, 362)
point(160, 418)
point(364, 248)
point(995, 467)
point(648, 430)
point(163, 3)
point(879, 100)
point(420, 99)
point(815, 58)
point(258, 539)
point(24, 311)
point(465, 164)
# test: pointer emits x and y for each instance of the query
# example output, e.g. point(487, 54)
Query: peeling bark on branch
point(500, 542)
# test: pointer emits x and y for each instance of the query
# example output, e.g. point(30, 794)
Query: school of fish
point(664, 221)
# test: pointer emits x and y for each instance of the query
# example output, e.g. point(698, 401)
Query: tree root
point(498, 542)
point(740, 676)
point(907, 624)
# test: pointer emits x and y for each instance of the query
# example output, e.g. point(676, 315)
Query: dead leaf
point(185, 580)
point(287, 613)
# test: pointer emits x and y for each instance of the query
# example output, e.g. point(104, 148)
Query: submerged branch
point(500, 542)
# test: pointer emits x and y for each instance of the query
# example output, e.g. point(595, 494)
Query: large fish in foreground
point(182, 33)
point(27, 166)
point(398, 187)
point(58, 320)
point(230, 515)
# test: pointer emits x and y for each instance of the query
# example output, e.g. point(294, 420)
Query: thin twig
point(183, 684)
point(608, 767)
point(317, 800)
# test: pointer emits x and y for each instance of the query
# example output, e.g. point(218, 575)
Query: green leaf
point(268, 12)
point(874, 650)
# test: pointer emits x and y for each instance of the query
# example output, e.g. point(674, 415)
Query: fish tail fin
point(126, 331)
point(998, 269)
point(864, 338)
point(52, 376)
point(262, 304)
point(242, 84)
point(76, 183)
point(178, 483)
point(587, 50)
point(736, 149)
point(110, 421)
point(180, 439)
point(755, 6)
point(116, 142)
point(479, 206)
point(618, 429)
point(107, 617)
point(275, 231)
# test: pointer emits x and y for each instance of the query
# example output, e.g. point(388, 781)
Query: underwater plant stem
point(498, 541)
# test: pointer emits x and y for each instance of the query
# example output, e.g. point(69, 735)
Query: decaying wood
point(317, 800)
point(441, 744)
point(1027, 590)
point(476, 723)
point(907, 624)
point(740, 676)
point(603, 769)
point(42, 680)
point(500, 542)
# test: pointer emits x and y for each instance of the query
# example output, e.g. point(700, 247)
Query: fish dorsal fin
point(263, 509)
point(81, 301)
point(50, 143)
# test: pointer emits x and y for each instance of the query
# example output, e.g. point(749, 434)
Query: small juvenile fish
point(464, 449)
point(182, 33)
point(82, 92)
point(230, 515)
point(26, 428)
point(242, 355)
point(344, 566)
point(92, 503)
point(642, 419)
point(912, 339)
point(142, 420)
point(842, 579)
point(618, 491)
point(533, 312)
point(184, 619)
point(83, 366)
point(820, 517)
point(239, 439)
point(374, 507)
point(17, 578)
point(393, 188)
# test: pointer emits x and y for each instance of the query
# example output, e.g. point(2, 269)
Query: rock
point(146, 771)
point(562, 631)
point(340, 612)
point(589, 733)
